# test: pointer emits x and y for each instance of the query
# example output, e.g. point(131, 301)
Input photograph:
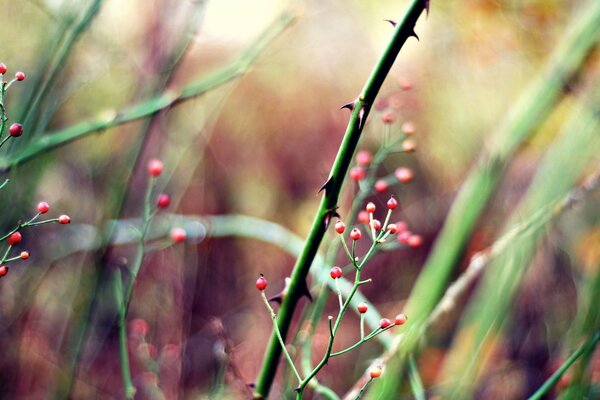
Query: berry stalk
point(360, 111)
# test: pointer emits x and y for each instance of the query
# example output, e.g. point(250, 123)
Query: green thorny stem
point(124, 300)
point(334, 326)
point(360, 111)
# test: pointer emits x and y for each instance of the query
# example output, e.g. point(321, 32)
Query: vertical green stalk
point(361, 107)
point(536, 103)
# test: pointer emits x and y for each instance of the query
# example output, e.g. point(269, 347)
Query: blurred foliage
point(261, 145)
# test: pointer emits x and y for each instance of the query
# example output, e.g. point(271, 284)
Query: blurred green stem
point(151, 106)
point(586, 348)
point(361, 107)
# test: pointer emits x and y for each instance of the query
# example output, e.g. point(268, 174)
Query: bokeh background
point(261, 145)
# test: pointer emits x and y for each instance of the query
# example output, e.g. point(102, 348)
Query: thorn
point(413, 33)
point(361, 119)
point(427, 6)
point(349, 106)
point(278, 298)
point(327, 185)
point(305, 292)
point(391, 21)
point(330, 215)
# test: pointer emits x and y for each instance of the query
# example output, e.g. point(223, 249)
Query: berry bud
point(261, 283)
point(64, 219)
point(363, 217)
point(155, 167)
point(392, 228)
point(375, 372)
point(336, 272)
point(20, 76)
point(380, 186)
point(388, 117)
point(178, 235)
point(409, 145)
point(15, 130)
point(24, 255)
point(370, 208)
point(357, 174)
point(404, 174)
point(355, 234)
point(340, 227)
point(408, 128)
point(138, 327)
point(43, 207)
point(375, 224)
point(384, 323)
point(414, 241)
point(363, 158)
point(400, 319)
point(362, 308)
point(15, 238)
point(2, 68)
point(163, 200)
point(3, 270)
point(403, 236)
point(392, 203)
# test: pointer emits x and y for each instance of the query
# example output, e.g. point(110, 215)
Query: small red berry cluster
point(16, 129)
point(163, 200)
point(14, 237)
point(150, 362)
point(364, 158)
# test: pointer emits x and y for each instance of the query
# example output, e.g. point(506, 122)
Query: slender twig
point(586, 348)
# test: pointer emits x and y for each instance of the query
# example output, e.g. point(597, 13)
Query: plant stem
point(586, 348)
point(362, 106)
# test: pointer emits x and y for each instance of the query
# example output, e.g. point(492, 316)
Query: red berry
point(404, 174)
point(362, 308)
point(402, 226)
point(24, 255)
point(357, 174)
point(403, 236)
point(400, 319)
point(375, 224)
point(64, 219)
point(261, 283)
point(43, 207)
point(178, 235)
point(363, 217)
point(336, 272)
point(392, 203)
point(3, 270)
point(408, 128)
point(355, 234)
point(414, 241)
point(340, 227)
point(381, 186)
point(363, 158)
point(15, 238)
point(15, 130)
point(138, 327)
point(155, 167)
point(370, 208)
point(381, 104)
point(375, 372)
point(384, 323)
point(20, 76)
point(392, 228)
point(388, 117)
point(2, 68)
point(409, 145)
point(163, 200)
